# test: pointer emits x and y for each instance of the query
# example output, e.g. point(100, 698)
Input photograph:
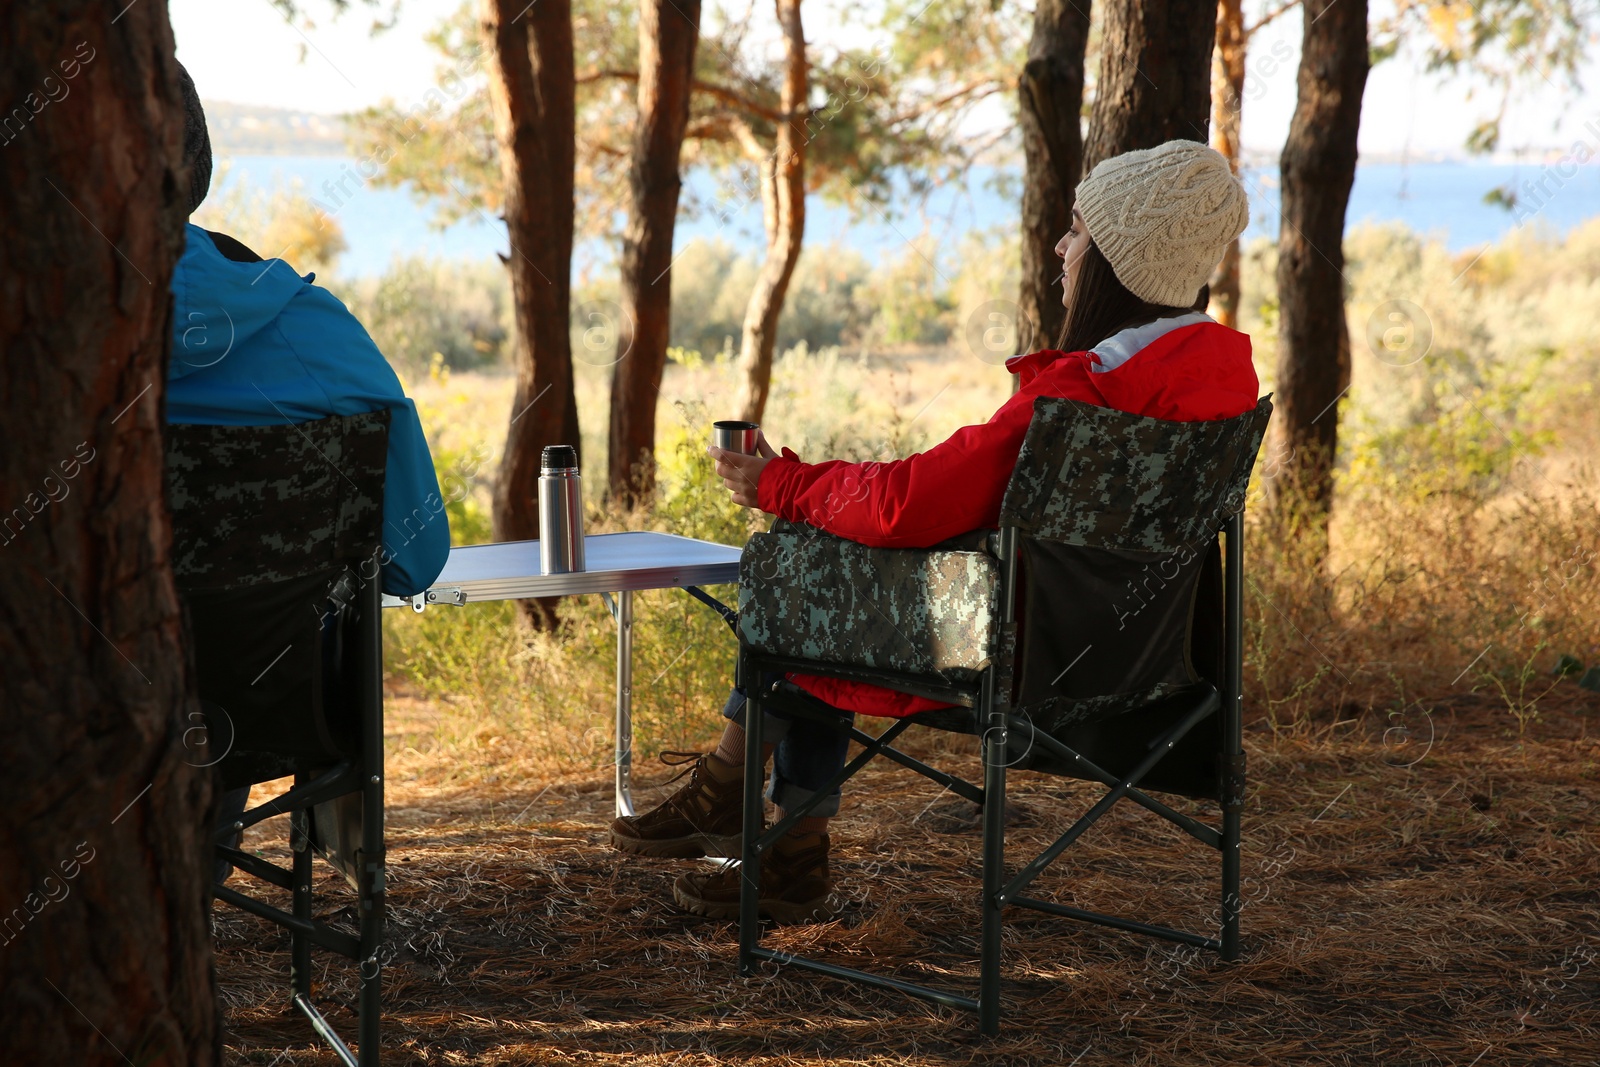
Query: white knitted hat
point(1163, 216)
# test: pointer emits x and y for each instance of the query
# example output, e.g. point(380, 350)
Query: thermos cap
point(558, 458)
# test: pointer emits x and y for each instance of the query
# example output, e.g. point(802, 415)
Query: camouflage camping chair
point(277, 532)
point(1095, 635)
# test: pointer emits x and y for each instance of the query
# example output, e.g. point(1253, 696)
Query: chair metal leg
point(372, 876)
point(994, 844)
point(750, 855)
point(1232, 903)
point(1232, 733)
point(299, 944)
point(371, 908)
point(993, 707)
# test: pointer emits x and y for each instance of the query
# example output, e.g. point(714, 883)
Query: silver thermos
point(560, 511)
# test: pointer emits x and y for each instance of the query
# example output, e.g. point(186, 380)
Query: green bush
point(913, 303)
point(420, 308)
point(710, 285)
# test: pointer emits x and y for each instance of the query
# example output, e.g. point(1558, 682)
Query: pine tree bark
point(1227, 99)
point(1050, 95)
point(1318, 168)
point(783, 201)
point(532, 90)
point(1155, 76)
point(104, 853)
point(668, 31)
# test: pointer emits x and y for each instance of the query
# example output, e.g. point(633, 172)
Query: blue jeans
point(808, 752)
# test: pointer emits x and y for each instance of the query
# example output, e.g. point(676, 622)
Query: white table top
point(616, 562)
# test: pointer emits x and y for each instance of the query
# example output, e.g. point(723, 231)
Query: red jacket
point(1188, 369)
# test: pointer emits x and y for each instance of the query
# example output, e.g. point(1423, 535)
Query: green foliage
point(1502, 196)
point(468, 511)
point(463, 465)
point(990, 270)
point(913, 306)
point(1469, 447)
point(829, 301)
point(420, 309)
point(442, 145)
point(883, 125)
point(710, 286)
point(1509, 45)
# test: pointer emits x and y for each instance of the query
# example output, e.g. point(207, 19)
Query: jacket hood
point(219, 303)
point(1169, 334)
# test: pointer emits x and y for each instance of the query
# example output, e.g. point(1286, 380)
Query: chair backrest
point(275, 528)
point(1121, 592)
point(258, 504)
point(1100, 478)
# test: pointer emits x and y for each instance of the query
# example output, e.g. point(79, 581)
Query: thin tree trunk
point(1155, 76)
point(103, 825)
point(783, 199)
point(668, 30)
point(1318, 168)
point(1227, 99)
point(532, 89)
point(1050, 94)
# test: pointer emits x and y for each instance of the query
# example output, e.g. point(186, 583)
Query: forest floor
point(1426, 897)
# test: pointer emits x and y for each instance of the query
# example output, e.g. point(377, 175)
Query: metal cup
point(735, 436)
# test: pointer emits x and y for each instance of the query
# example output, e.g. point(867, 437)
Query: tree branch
point(1268, 18)
point(989, 87)
point(747, 139)
point(731, 97)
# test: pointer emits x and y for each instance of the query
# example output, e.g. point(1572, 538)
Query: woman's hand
point(742, 473)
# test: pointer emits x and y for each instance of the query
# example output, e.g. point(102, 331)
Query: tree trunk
point(532, 89)
point(103, 825)
point(1155, 76)
point(1050, 94)
point(668, 30)
point(783, 201)
point(1318, 167)
point(1227, 99)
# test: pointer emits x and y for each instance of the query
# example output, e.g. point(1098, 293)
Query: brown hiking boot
point(795, 887)
point(703, 818)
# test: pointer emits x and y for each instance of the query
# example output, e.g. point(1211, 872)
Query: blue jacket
point(255, 344)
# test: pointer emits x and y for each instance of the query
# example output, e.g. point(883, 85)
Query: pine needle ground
point(1421, 897)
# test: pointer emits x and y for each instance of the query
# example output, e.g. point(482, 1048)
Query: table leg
point(624, 761)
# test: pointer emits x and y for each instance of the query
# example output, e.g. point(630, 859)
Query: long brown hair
point(1102, 305)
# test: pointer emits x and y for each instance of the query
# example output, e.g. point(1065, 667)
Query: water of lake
point(1445, 199)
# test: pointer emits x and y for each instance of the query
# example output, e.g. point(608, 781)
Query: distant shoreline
point(1447, 201)
point(249, 130)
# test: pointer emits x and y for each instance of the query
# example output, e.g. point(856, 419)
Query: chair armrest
point(808, 594)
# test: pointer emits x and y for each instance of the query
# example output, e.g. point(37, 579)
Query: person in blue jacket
point(256, 344)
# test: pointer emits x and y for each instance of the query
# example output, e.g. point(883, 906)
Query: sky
point(244, 51)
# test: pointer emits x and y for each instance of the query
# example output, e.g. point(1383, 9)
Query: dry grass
point(1422, 899)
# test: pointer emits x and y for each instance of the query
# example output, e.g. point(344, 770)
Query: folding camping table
point(620, 563)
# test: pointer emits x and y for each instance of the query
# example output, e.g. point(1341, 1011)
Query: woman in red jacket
point(1147, 230)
